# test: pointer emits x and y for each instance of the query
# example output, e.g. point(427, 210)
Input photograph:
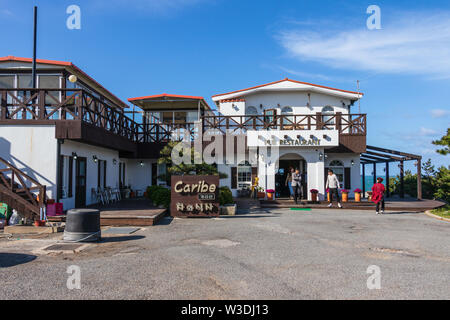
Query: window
point(288, 119)
point(122, 169)
point(101, 178)
point(7, 82)
point(244, 175)
point(252, 111)
point(328, 117)
point(66, 177)
point(50, 82)
point(338, 168)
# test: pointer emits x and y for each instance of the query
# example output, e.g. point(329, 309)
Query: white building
point(76, 137)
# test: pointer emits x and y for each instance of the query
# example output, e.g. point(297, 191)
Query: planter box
point(228, 210)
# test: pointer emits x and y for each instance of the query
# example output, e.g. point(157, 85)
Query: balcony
point(81, 116)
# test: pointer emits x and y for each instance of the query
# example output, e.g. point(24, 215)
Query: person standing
point(297, 184)
point(378, 195)
point(333, 185)
point(289, 182)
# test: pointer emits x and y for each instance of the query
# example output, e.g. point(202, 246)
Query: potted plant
point(260, 194)
point(314, 194)
point(227, 205)
point(270, 194)
point(344, 195)
point(358, 195)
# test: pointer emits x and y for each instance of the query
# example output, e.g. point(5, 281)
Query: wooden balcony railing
point(19, 188)
point(352, 124)
point(78, 104)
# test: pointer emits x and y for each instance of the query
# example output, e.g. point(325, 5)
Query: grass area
point(442, 212)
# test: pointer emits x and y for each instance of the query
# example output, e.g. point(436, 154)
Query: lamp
point(352, 162)
point(141, 163)
point(114, 161)
point(74, 155)
point(73, 78)
point(95, 158)
point(320, 156)
point(326, 156)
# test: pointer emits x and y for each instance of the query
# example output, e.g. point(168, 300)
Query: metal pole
point(419, 179)
point(364, 179)
point(33, 71)
point(387, 180)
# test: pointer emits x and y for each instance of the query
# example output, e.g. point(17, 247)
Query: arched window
point(328, 117)
point(338, 168)
point(244, 175)
point(336, 163)
point(252, 111)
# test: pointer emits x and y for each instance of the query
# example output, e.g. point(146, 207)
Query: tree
point(444, 141)
point(442, 184)
point(184, 168)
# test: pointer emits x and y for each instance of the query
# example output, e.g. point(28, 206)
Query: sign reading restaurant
point(194, 196)
point(293, 138)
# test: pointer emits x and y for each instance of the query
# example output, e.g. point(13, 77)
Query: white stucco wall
point(277, 100)
point(32, 149)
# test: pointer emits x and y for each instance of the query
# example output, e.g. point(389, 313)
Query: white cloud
point(440, 113)
point(427, 132)
point(413, 44)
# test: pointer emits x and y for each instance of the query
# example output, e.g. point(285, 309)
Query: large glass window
point(288, 119)
point(50, 82)
point(244, 175)
point(7, 82)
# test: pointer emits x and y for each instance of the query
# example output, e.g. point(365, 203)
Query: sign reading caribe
point(195, 196)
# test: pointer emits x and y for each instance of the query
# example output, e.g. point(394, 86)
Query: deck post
point(402, 178)
point(387, 180)
point(364, 179)
point(374, 172)
point(419, 179)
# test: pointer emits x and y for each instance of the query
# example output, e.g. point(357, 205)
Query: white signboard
point(293, 138)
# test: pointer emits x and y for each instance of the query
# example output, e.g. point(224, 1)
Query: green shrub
point(225, 196)
point(161, 196)
point(152, 191)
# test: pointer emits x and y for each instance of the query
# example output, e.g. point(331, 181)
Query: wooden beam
point(364, 180)
point(419, 179)
point(387, 180)
point(402, 178)
point(383, 155)
point(413, 156)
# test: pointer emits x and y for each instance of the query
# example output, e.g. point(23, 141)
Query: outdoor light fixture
point(326, 156)
point(74, 155)
point(114, 161)
point(311, 136)
point(141, 163)
point(325, 136)
point(321, 156)
point(73, 78)
point(95, 158)
point(352, 162)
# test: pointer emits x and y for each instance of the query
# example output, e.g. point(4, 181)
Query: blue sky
point(205, 47)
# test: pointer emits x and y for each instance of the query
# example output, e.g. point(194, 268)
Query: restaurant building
point(73, 137)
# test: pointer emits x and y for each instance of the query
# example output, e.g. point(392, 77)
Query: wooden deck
point(407, 205)
point(130, 212)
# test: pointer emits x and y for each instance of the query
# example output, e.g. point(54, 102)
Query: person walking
point(378, 195)
point(297, 185)
point(333, 185)
point(289, 182)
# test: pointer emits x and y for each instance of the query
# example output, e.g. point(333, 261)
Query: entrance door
point(282, 191)
point(80, 183)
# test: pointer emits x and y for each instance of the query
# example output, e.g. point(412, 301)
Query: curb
point(428, 213)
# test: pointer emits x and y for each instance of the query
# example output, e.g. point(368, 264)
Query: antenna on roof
point(359, 97)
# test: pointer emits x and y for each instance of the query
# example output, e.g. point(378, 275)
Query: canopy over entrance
point(374, 155)
point(170, 102)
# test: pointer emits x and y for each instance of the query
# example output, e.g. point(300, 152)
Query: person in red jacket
point(378, 195)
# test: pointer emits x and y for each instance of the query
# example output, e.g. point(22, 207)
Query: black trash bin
point(82, 225)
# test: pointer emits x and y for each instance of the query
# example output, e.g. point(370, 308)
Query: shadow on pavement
point(120, 238)
point(13, 259)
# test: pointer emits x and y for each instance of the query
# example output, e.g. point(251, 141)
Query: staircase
point(20, 191)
